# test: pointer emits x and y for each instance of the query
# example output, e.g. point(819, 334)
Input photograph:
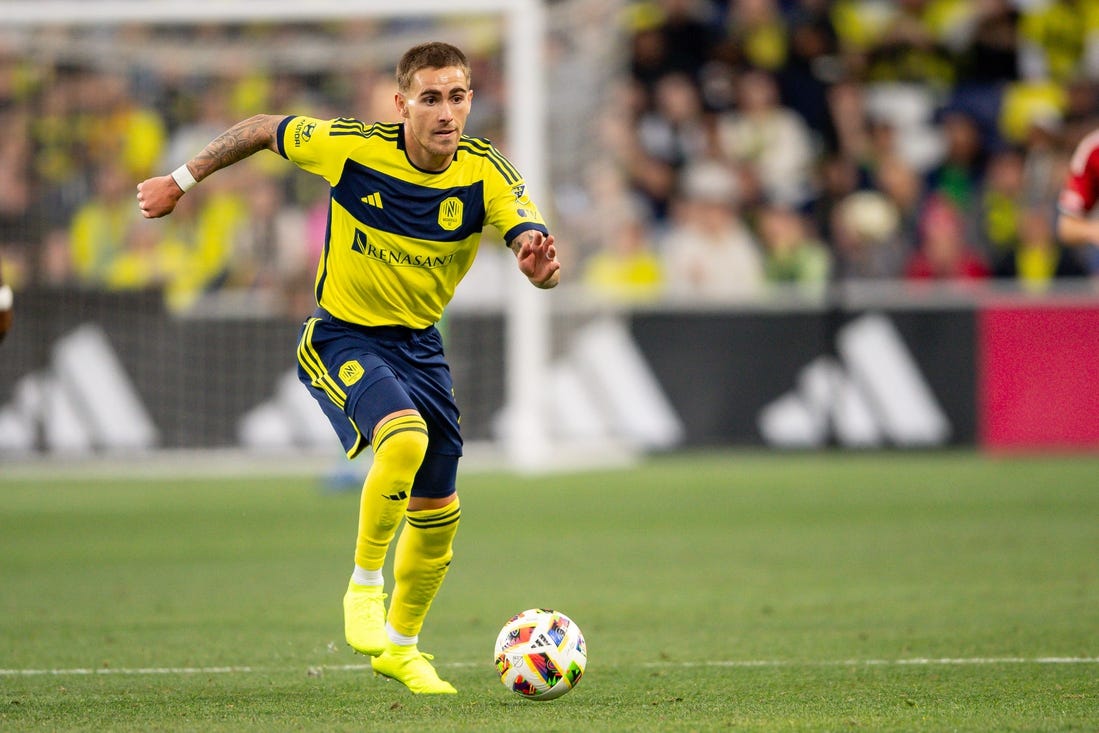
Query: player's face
point(435, 109)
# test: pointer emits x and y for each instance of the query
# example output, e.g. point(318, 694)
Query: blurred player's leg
point(399, 446)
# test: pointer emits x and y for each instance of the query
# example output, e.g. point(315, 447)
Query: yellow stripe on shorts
point(311, 362)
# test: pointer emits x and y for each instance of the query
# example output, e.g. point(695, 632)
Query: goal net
point(149, 340)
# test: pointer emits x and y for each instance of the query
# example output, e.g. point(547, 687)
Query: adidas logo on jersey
point(374, 199)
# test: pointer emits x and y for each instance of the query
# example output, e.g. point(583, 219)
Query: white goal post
point(526, 439)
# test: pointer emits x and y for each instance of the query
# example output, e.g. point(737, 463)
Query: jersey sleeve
point(1081, 190)
point(319, 146)
point(507, 205)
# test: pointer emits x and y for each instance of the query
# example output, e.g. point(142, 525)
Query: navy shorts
point(360, 374)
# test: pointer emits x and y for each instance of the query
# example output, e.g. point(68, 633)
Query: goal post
point(525, 439)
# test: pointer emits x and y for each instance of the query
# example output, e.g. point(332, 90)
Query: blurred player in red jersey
point(5, 307)
point(1079, 195)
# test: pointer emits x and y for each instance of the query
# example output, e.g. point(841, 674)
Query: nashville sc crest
point(450, 213)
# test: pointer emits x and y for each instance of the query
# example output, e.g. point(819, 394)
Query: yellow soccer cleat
point(409, 666)
point(364, 619)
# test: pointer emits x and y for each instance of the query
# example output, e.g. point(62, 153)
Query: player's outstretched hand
point(538, 260)
point(157, 197)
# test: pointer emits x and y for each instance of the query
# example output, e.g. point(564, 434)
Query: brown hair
point(432, 55)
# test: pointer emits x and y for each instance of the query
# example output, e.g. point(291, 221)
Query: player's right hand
point(157, 197)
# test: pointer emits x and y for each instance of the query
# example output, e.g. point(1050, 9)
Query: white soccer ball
point(540, 654)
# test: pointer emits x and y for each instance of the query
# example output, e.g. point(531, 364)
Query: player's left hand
point(538, 260)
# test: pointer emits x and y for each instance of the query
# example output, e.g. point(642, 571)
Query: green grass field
point(735, 591)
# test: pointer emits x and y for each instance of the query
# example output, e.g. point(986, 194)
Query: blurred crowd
point(89, 112)
point(796, 143)
point(727, 147)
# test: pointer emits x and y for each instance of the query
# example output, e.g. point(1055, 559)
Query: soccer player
point(408, 203)
point(1079, 195)
point(6, 307)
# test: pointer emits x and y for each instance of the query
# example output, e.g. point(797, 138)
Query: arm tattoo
point(516, 244)
point(236, 143)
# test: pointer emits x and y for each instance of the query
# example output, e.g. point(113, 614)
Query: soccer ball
point(540, 654)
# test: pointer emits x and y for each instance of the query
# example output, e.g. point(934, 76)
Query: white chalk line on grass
point(911, 662)
point(733, 663)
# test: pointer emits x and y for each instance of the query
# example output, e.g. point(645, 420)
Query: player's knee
point(435, 482)
point(401, 441)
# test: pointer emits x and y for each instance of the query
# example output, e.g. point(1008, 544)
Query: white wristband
point(183, 178)
point(7, 298)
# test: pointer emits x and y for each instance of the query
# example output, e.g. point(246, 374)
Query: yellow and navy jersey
point(400, 239)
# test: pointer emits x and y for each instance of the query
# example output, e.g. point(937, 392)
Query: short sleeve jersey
point(400, 239)
point(1081, 190)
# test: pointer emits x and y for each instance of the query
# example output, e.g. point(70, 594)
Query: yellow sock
point(423, 556)
point(399, 447)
